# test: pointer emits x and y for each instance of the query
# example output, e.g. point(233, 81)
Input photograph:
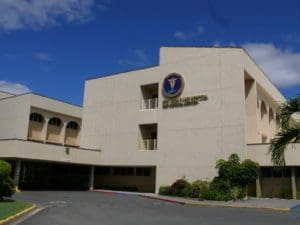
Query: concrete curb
point(17, 215)
point(163, 199)
point(183, 202)
point(206, 204)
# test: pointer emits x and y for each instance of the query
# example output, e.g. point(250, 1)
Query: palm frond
point(286, 110)
point(279, 144)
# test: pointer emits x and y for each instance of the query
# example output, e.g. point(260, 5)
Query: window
point(55, 122)
point(36, 117)
point(123, 171)
point(148, 137)
point(149, 96)
point(145, 172)
point(275, 172)
point(72, 125)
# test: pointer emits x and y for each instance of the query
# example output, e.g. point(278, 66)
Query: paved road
point(89, 208)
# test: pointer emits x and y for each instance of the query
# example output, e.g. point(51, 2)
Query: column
point(63, 133)
point(45, 130)
point(258, 187)
point(17, 173)
point(92, 175)
point(293, 182)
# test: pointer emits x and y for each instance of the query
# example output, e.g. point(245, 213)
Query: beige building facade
point(145, 128)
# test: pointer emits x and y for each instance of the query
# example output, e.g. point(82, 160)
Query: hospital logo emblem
point(173, 85)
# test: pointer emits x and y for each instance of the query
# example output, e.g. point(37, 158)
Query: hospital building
point(140, 129)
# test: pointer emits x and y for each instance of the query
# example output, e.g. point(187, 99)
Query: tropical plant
point(289, 118)
point(7, 186)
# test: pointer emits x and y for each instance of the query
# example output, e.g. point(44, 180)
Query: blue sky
point(51, 47)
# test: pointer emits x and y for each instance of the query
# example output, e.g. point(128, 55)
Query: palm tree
point(289, 118)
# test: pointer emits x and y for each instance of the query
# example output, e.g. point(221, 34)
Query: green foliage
point(230, 184)
point(180, 187)
point(214, 193)
point(286, 134)
point(165, 190)
point(237, 174)
point(7, 186)
point(197, 188)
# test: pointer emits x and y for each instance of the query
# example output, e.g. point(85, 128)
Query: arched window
point(73, 125)
point(55, 122)
point(36, 117)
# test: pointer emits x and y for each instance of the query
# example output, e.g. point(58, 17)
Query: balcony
point(16, 148)
point(148, 144)
point(149, 96)
point(151, 103)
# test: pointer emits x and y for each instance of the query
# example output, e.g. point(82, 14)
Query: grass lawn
point(11, 207)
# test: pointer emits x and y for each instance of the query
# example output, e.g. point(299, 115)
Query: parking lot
point(91, 208)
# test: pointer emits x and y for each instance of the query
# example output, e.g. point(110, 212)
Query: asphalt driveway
point(90, 208)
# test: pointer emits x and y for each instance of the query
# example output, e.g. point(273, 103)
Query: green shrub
point(197, 187)
point(235, 173)
point(216, 194)
point(180, 188)
point(165, 190)
point(285, 193)
point(298, 195)
point(7, 186)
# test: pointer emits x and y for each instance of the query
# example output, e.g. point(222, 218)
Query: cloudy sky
point(51, 47)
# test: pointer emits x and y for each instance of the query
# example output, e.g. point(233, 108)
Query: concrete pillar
point(92, 175)
point(293, 182)
point(63, 133)
point(45, 130)
point(258, 187)
point(17, 173)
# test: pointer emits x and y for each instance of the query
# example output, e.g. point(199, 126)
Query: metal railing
point(148, 144)
point(151, 103)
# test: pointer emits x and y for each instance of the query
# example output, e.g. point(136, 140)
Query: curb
point(163, 199)
point(17, 215)
point(115, 192)
point(217, 205)
point(183, 202)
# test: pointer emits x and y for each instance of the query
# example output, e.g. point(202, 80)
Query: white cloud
point(13, 88)
point(281, 65)
point(138, 58)
point(35, 14)
point(181, 35)
point(42, 56)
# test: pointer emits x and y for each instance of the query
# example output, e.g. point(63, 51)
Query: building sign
point(187, 101)
point(173, 85)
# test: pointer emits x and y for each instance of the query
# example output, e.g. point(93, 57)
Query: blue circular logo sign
point(173, 85)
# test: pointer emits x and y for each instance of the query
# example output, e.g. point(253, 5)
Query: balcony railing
point(148, 144)
point(151, 103)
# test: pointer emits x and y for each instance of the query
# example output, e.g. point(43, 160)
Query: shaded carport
point(41, 175)
point(125, 178)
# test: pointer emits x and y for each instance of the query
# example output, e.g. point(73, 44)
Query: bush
point(235, 173)
point(165, 190)
point(197, 188)
point(181, 188)
point(216, 194)
point(7, 186)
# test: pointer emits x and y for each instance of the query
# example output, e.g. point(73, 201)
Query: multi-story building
point(145, 128)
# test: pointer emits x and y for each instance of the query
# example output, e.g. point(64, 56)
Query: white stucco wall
point(14, 116)
point(190, 139)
